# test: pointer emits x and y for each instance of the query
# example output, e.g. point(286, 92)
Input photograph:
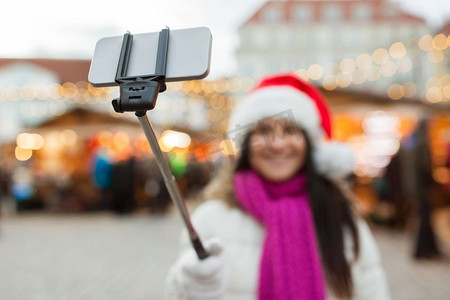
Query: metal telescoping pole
point(169, 180)
point(138, 94)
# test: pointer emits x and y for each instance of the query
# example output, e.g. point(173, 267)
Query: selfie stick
point(139, 94)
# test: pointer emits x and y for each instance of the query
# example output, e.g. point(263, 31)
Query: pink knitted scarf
point(290, 266)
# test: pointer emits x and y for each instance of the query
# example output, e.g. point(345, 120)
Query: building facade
point(366, 45)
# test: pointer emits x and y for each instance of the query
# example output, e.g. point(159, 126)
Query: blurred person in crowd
point(197, 176)
point(102, 169)
point(279, 222)
point(154, 186)
point(122, 185)
point(394, 207)
point(422, 183)
point(4, 186)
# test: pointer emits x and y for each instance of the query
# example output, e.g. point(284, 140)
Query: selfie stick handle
point(170, 183)
point(139, 94)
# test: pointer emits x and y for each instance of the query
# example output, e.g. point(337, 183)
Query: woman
point(279, 224)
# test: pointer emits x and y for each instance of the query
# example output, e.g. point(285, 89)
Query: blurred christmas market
point(383, 71)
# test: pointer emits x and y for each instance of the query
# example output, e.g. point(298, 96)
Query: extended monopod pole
point(139, 94)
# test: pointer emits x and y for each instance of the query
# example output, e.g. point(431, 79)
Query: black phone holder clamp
point(139, 93)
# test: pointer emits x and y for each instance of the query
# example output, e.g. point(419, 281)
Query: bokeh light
point(363, 61)
point(329, 82)
point(434, 95)
point(397, 50)
point(409, 89)
point(396, 91)
point(315, 72)
point(435, 56)
point(426, 42)
point(23, 154)
point(440, 42)
point(380, 56)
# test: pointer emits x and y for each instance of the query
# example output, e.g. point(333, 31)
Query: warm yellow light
point(303, 74)
point(221, 101)
point(69, 90)
point(435, 56)
point(445, 79)
point(315, 72)
point(441, 175)
point(410, 89)
point(397, 50)
point(95, 90)
point(388, 69)
point(380, 56)
point(68, 137)
point(404, 65)
point(104, 138)
point(347, 66)
point(221, 86)
point(440, 42)
point(426, 43)
point(55, 91)
point(329, 82)
point(187, 86)
point(30, 141)
point(174, 139)
point(52, 141)
point(396, 91)
point(363, 61)
point(446, 91)
point(433, 82)
point(215, 115)
point(38, 141)
point(343, 80)
point(373, 73)
point(121, 140)
point(42, 92)
point(434, 95)
point(27, 92)
point(227, 147)
point(212, 100)
point(163, 146)
point(25, 141)
point(23, 154)
point(359, 77)
point(197, 87)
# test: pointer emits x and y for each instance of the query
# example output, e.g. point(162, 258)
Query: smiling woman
point(278, 223)
point(277, 149)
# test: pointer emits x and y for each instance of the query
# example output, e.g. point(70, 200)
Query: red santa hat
point(287, 96)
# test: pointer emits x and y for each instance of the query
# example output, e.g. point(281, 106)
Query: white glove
point(204, 279)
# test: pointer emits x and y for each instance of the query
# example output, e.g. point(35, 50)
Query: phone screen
point(188, 57)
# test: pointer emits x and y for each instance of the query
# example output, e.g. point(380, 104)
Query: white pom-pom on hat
point(287, 96)
point(334, 160)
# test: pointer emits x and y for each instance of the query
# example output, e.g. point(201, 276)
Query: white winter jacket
point(243, 239)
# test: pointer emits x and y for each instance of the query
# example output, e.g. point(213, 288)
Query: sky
point(70, 29)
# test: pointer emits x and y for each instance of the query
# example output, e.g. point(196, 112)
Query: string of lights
point(218, 95)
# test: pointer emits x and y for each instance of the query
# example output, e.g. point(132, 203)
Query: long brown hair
point(331, 209)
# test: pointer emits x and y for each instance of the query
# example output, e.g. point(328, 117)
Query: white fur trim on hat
point(334, 160)
point(275, 102)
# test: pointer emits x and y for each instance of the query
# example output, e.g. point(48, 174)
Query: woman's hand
point(207, 278)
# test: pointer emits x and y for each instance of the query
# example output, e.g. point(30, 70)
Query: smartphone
point(188, 57)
